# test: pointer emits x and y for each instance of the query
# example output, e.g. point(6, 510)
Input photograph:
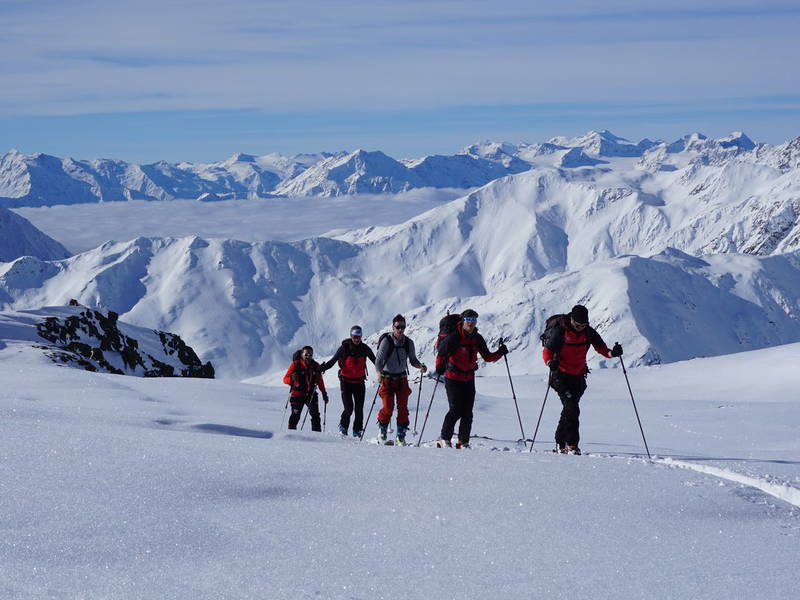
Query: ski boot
point(382, 432)
point(568, 449)
point(343, 430)
point(358, 434)
point(462, 445)
point(401, 434)
point(443, 443)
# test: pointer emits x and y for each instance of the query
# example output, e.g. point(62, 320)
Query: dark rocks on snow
point(90, 338)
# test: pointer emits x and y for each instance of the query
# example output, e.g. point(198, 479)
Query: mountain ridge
point(43, 180)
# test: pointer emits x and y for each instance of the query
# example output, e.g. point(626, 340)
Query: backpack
point(350, 350)
point(447, 325)
point(386, 334)
point(553, 335)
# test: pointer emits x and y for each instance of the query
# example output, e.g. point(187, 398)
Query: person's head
point(355, 334)
point(307, 353)
point(399, 326)
point(469, 320)
point(579, 317)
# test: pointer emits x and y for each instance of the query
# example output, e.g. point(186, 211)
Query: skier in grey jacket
point(395, 351)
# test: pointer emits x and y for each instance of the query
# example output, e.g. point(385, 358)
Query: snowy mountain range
point(42, 180)
point(691, 249)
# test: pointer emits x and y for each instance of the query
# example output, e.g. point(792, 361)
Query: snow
point(121, 487)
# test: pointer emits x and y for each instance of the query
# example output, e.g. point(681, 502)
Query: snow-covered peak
point(738, 140)
point(600, 143)
point(18, 237)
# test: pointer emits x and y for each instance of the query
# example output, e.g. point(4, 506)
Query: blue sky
point(200, 80)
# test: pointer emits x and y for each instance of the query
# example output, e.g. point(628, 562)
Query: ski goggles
point(470, 319)
point(356, 332)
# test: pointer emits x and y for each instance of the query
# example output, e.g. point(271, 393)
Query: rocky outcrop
point(93, 341)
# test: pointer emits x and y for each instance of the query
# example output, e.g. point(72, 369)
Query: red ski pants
point(394, 390)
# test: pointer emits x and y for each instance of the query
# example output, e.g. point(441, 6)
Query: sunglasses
point(307, 355)
point(400, 327)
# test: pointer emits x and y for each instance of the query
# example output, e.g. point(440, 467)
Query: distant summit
point(18, 237)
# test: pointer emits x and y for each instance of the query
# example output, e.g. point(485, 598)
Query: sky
point(198, 81)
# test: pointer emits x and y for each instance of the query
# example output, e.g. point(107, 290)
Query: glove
point(325, 397)
point(424, 367)
point(502, 349)
point(616, 350)
point(553, 364)
point(322, 369)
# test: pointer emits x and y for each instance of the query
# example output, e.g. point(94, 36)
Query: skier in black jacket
point(352, 357)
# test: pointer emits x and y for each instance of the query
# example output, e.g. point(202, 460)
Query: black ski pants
point(569, 388)
point(461, 398)
point(352, 398)
point(298, 402)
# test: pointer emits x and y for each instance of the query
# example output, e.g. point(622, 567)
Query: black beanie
point(580, 314)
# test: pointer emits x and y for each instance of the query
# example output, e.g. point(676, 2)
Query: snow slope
point(120, 487)
point(246, 306)
point(18, 237)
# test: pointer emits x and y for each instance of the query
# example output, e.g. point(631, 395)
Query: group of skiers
point(566, 341)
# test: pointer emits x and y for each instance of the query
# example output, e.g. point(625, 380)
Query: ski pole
point(419, 395)
point(308, 410)
point(625, 372)
point(514, 395)
point(549, 379)
point(370, 411)
point(324, 415)
point(435, 385)
point(283, 418)
point(308, 405)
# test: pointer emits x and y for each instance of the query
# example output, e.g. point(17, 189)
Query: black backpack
point(553, 336)
point(447, 325)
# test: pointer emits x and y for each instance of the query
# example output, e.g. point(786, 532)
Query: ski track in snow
point(782, 491)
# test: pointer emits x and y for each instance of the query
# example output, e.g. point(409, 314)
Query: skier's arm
point(328, 364)
point(287, 379)
point(383, 351)
point(321, 383)
point(547, 355)
point(370, 353)
point(446, 347)
point(598, 344)
point(483, 350)
point(412, 356)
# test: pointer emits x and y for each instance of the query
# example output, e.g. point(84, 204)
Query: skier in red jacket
point(566, 343)
point(304, 374)
point(457, 360)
